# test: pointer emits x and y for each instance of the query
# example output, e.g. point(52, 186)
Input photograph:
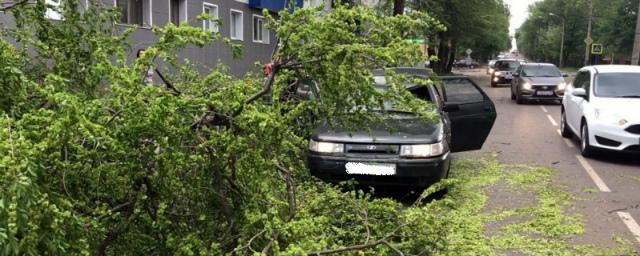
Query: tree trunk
point(398, 7)
point(446, 56)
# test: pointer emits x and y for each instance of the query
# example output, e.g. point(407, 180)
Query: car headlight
point(491, 70)
point(561, 86)
point(527, 86)
point(498, 73)
point(325, 147)
point(422, 150)
point(610, 118)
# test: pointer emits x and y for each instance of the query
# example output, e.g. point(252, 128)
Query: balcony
point(273, 5)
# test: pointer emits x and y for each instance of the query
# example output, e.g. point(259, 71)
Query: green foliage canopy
point(613, 26)
point(94, 161)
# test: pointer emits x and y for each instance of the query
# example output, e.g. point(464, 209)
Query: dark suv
point(413, 152)
point(503, 72)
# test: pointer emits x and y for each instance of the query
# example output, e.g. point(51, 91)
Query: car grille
point(635, 129)
point(373, 148)
point(544, 87)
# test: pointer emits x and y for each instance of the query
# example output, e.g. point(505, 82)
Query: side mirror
point(516, 74)
point(451, 107)
point(565, 75)
point(579, 92)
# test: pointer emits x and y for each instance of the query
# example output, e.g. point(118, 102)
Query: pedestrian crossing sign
point(597, 49)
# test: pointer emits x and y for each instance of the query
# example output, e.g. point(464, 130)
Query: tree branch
point(364, 246)
point(291, 193)
point(168, 84)
point(348, 248)
point(265, 89)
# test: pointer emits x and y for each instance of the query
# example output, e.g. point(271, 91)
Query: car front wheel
point(519, 100)
point(585, 148)
point(564, 130)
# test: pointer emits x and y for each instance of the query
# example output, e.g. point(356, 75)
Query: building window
point(54, 9)
point(236, 25)
point(135, 12)
point(260, 32)
point(178, 11)
point(212, 11)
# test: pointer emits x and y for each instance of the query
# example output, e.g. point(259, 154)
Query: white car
point(602, 107)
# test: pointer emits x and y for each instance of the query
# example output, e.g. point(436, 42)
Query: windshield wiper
point(629, 96)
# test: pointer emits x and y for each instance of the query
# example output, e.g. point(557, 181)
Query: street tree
point(481, 25)
point(95, 161)
point(613, 26)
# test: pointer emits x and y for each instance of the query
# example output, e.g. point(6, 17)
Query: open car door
point(470, 111)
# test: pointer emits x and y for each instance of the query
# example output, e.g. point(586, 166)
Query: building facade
point(240, 20)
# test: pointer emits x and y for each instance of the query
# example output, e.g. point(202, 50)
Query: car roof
point(538, 64)
point(508, 60)
point(613, 68)
point(422, 72)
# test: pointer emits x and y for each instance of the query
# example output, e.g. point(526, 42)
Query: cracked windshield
point(320, 127)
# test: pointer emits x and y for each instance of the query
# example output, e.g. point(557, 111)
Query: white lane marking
point(592, 173)
point(631, 224)
point(544, 109)
point(569, 144)
point(553, 122)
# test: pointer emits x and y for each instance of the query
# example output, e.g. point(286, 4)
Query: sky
point(519, 11)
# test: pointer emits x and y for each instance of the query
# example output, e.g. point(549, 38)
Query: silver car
point(537, 81)
point(491, 67)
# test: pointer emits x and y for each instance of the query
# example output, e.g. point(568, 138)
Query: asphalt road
point(607, 187)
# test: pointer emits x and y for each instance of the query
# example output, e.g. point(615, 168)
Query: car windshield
point(623, 85)
point(420, 92)
point(541, 71)
point(507, 65)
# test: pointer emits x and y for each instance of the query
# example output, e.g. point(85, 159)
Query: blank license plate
point(370, 168)
point(545, 93)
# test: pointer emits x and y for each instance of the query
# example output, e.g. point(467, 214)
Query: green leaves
point(95, 161)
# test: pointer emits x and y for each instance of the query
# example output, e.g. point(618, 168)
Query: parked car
point(413, 152)
point(491, 67)
point(504, 71)
point(601, 108)
point(537, 81)
point(465, 63)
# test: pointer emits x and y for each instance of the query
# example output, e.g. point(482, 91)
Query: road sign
point(468, 51)
point(597, 49)
point(588, 40)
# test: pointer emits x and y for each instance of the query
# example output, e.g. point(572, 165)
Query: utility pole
point(588, 40)
point(635, 57)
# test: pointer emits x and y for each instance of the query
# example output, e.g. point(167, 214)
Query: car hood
point(622, 107)
point(544, 80)
point(405, 130)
